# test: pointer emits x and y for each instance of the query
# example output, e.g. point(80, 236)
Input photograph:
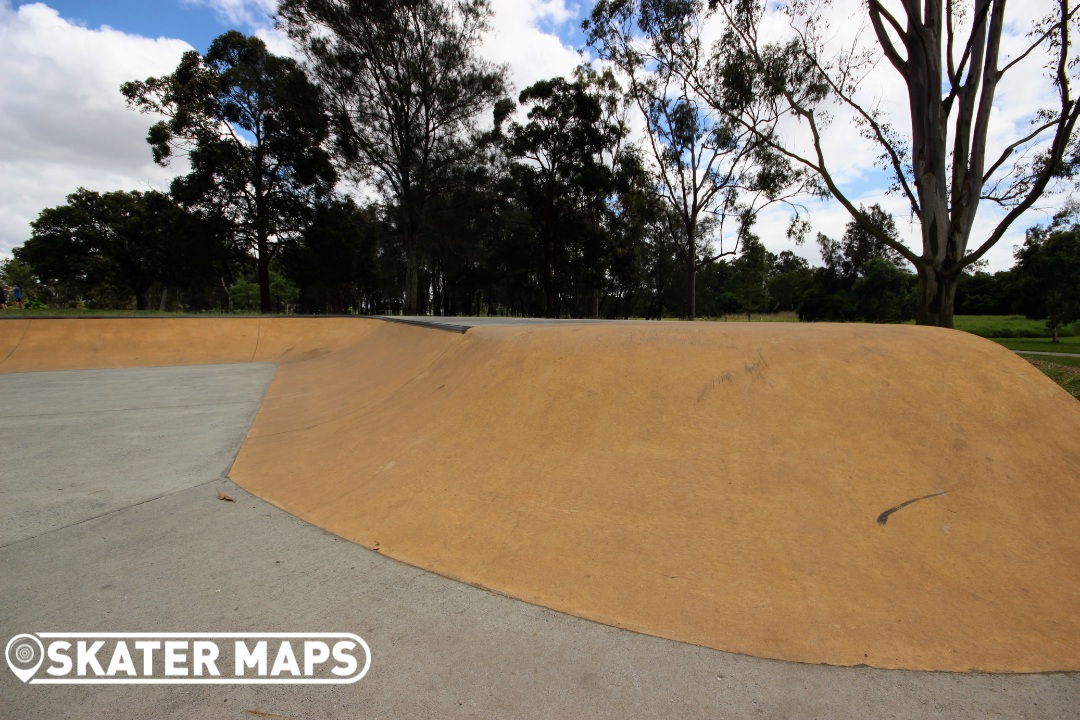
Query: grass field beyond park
point(1009, 326)
point(1017, 333)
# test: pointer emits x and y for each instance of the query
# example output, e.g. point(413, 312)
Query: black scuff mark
point(884, 517)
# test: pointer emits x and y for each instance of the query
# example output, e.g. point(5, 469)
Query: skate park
point(816, 519)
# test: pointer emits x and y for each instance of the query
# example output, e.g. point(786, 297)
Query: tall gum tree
point(253, 129)
point(405, 87)
point(712, 171)
point(949, 58)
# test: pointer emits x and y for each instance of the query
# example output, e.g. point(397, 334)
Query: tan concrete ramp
point(899, 497)
point(718, 484)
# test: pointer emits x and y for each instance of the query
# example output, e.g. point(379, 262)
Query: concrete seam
point(258, 337)
point(251, 421)
point(131, 409)
point(113, 512)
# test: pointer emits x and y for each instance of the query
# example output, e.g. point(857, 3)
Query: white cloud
point(241, 13)
point(65, 122)
point(517, 38)
point(255, 17)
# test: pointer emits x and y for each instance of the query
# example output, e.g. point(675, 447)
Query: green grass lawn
point(1069, 345)
point(1009, 326)
point(1018, 333)
point(1065, 375)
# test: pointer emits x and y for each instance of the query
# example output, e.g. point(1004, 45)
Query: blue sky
point(195, 23)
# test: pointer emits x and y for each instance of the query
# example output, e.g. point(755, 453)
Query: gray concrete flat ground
point(111, 522)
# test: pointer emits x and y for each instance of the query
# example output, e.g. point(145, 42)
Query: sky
point(64, 124)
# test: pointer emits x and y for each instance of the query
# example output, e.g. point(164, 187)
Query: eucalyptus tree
point(405, 88)
point(570, 156)
point(708, 165)
point(951, 154)
point(253, 128)
point(1048, 265)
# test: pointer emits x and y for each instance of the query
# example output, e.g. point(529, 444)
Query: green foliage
point(252, 127)
point(15, 272)
point(1049, 268)
point(107, 250)
point(981, 293)
point(576, 182)
point(284, 295)
point(405, 86)
point(714, 174)
point(1011, 326)
point(339, 262)
point(863, 278)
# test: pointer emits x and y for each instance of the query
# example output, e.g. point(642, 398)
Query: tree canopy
point(253, 129)
point(405, 88)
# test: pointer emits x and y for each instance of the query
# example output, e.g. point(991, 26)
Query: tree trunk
point(412, 278)
point(691, 279)
point(937, 292)
point(264, 276)
point(549, 277)
point(691, 270)
point(164, 296)
point(228, 294)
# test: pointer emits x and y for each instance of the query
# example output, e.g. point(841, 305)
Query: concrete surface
point(93, 448)
point(185, 561)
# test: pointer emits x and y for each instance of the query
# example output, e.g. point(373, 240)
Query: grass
point(1016, 332)
point(757, 317)
point(1065, 375)
point(1069, 345)
point(1008, 326)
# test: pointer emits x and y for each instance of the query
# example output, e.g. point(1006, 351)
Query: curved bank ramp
point(892, 496)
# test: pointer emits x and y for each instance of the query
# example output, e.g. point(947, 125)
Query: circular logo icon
point(24, 655)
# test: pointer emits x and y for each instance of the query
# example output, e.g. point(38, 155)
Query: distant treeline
point(131, 250)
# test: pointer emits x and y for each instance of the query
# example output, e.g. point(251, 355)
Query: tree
point(943, 167)
point(253, 128)
point(404, 87)
point(708, 165)
point(750, 276)
point(790, 279)
point(1049, 268)
point(108, 247)
point(15, 272)
point(570, 159)
point(850, 256)
point(863, 278)
point(335, 262)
